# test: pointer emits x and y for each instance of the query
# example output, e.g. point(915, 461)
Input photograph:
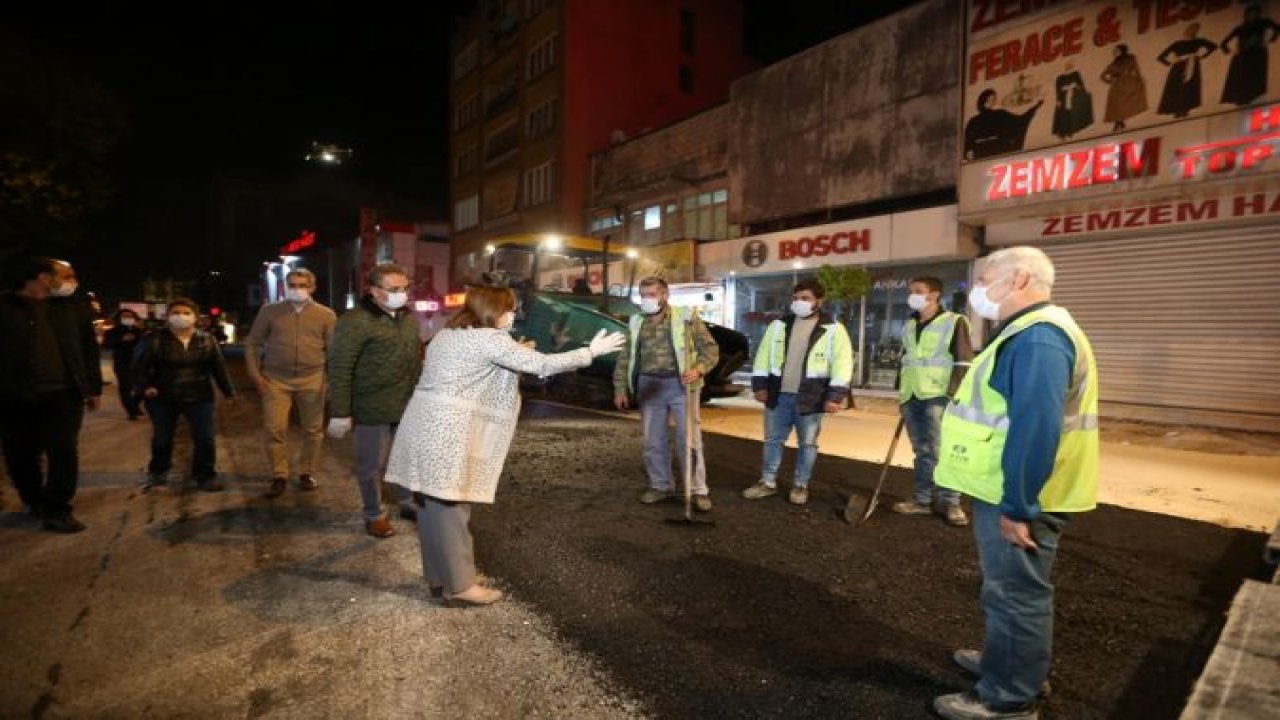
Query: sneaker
point(967, 706)
point(306, 482)
point(702, 503)
point(955, 516)
point(970, 661)
point(760, 490)
point(380, 528)
point(209, 485)
point(653, 495)
point(276, 488)
point(799, 496)
point(66, 524)
point(911, 507)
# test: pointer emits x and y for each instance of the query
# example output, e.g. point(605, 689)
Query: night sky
point(240, 101)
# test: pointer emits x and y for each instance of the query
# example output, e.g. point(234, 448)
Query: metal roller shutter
point(1186, 321)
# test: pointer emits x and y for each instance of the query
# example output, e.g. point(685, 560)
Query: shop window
point(538, 184)
point(542, 57)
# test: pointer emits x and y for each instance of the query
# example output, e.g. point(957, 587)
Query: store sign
point(1039, 74)
point(1166, 214)
point(298, 244)
point(1232, 146)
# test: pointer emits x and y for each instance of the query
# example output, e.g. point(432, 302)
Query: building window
point(466, 213)
point(604, 223)
point(687, 33)
point(467, 112)
point(538, 184)
point(501, 94)
point(501, 143)
point(541, 120)
point(686, 79)
point(542, 57)
point(467, 60)
point(706, 216)
point(466, 161)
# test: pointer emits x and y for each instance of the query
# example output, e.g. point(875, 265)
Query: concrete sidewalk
point(1219, 486)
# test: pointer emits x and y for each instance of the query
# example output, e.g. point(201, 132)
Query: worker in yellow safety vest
point(1021, 439)
point(936, 354)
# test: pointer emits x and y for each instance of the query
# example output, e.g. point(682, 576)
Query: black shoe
point(154, 480)
point(306, 482)
point(408, 513)
point(276, 489)
point(63, 524)
point(209, 485)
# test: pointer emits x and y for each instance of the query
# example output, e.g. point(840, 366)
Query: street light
point(328, 154)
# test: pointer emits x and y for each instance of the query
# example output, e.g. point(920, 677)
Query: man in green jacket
point(374, 363)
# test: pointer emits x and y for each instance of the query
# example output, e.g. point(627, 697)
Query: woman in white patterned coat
point(455, 433)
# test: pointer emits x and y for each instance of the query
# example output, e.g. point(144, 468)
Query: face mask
point(916, 301)
point(649, 306)
point(181, 322)
point(507, 321)
point(64, 289)
point(396, 300)
point(983, 305)
point(802, 308)
point(297, 294)
point(128, 322)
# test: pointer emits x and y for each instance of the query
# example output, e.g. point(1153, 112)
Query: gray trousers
point(448, 557)
point(373, 444)
point(662, 400)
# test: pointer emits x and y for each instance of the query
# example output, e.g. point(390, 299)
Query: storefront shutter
point(1182, 322)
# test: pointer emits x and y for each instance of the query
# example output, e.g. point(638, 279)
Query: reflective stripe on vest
point(976, 426)
point(678, 320)
point(817, 363)
point(927, 363)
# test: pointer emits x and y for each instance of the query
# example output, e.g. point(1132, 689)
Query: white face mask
point(983, 305)
point(802, 308)
point(181, 322)
point(65, 289)
point(128, 322)
point(297, 294)
point(396, 300)
point(649, 306)
point(917, 301)
point(507, 321)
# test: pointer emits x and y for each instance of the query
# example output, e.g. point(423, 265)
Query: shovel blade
point(856, 510)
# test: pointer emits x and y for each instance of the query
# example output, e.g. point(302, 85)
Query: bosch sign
point(841, 243)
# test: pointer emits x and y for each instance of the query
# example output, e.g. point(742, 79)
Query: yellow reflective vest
point(976, 426)
point(927, 362)
point(680, 318)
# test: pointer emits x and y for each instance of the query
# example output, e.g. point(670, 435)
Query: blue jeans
point(164, 422)
point(373, 443)
point(661, 399)
point(778, 422)
point(923, 422)
point(1017, 599)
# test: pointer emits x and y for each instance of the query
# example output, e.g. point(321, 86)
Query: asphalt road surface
point(183, 604)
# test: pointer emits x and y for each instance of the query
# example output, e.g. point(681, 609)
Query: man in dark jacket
point(374, 364)
point(49, 374)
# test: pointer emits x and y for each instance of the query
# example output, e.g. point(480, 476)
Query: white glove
point(339, 427)
point(603, 344)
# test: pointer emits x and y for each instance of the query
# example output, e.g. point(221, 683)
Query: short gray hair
point(302, 273)
point(1030, 260)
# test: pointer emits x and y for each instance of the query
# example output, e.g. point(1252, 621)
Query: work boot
point(276, 488)
point(799, 495)
point(306, 482)
point(967, 706)
point(955, 516)
point(970, 661)
point(760, 490)
point(653, 495)
point(911, 507)
point(702, 503)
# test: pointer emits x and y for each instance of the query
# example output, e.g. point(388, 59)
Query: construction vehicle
point(569, 288)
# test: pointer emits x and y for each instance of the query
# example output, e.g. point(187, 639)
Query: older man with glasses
point(285, 357)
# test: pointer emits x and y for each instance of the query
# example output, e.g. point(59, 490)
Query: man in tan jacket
point(285, 356)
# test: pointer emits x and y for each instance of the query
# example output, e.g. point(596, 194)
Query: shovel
point(859, 508)
point(692, 430)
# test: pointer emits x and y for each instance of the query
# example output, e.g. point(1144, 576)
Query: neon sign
point(302, 242)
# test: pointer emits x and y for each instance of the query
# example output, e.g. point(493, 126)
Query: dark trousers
point(48, 429)
point(164, 421)
point(124, 381)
